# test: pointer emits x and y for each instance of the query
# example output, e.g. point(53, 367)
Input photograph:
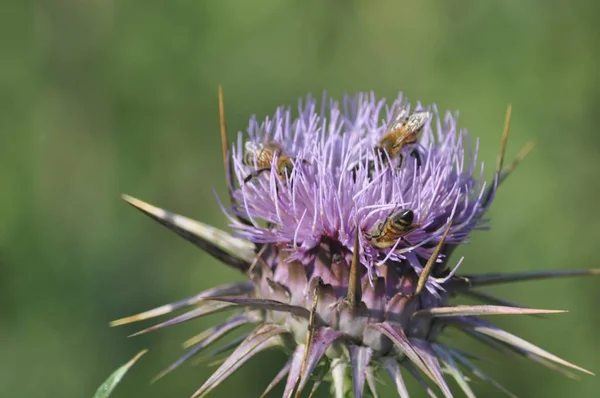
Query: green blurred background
point(106, 97)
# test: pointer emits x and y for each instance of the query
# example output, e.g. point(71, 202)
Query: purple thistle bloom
point(347, 248)
point(325, 197)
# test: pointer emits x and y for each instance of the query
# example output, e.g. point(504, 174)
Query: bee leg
point(353, 171)
point(254, 174)
point(411, 228)
point(370, 235)
point(370, 169)
point(415, 153)
point(376, 231)
point(400, 162)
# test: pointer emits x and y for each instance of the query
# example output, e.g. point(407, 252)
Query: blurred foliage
point(105, 97)
point(106, 388)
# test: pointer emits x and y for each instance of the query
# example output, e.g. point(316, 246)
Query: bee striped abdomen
point(394, 227)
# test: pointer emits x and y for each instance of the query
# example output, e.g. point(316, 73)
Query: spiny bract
point(347, 248)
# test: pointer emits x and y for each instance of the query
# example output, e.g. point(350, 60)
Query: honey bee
point(402, 131)
point(263, 154)
point(394, 227)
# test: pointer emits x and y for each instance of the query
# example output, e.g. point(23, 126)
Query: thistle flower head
point(339, 184)
point(344, 219)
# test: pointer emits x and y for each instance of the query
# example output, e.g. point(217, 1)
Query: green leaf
point(106, 388)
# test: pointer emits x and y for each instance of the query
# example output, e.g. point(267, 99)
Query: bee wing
point(256, 147)
point(252, 149)
point(398, 119)
point(261, 151)
point(417, 120)
point(274, 147)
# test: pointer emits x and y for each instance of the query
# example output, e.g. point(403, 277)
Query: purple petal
point(418, 378)
point(319, 379)
point(321, 341)
point(371, 382)
point(338, 374)
point(229, 289)
point(218, 332)
point(479, 373)
point(464, 353)
point(225, 347)
point(508, 338)
point(502, 347)
point(452, 368)
point(425, 351)
point(204, 309)
point(331, 192)
point(295, 370)
point(475, 310)
point(249, 317)
point(403, 344)
point(265, 304)
point(359, 361)
point(489, 298)
point(393, 369)
point(498, 278)
point(278, 377)
point(507, 348)
point(232, 251)
point(549, 365)
point(261, 338)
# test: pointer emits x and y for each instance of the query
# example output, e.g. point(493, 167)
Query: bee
point(402, 131)
point(264, 154)
point(394, 227)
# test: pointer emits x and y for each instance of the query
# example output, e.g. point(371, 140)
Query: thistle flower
point(347, 249)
